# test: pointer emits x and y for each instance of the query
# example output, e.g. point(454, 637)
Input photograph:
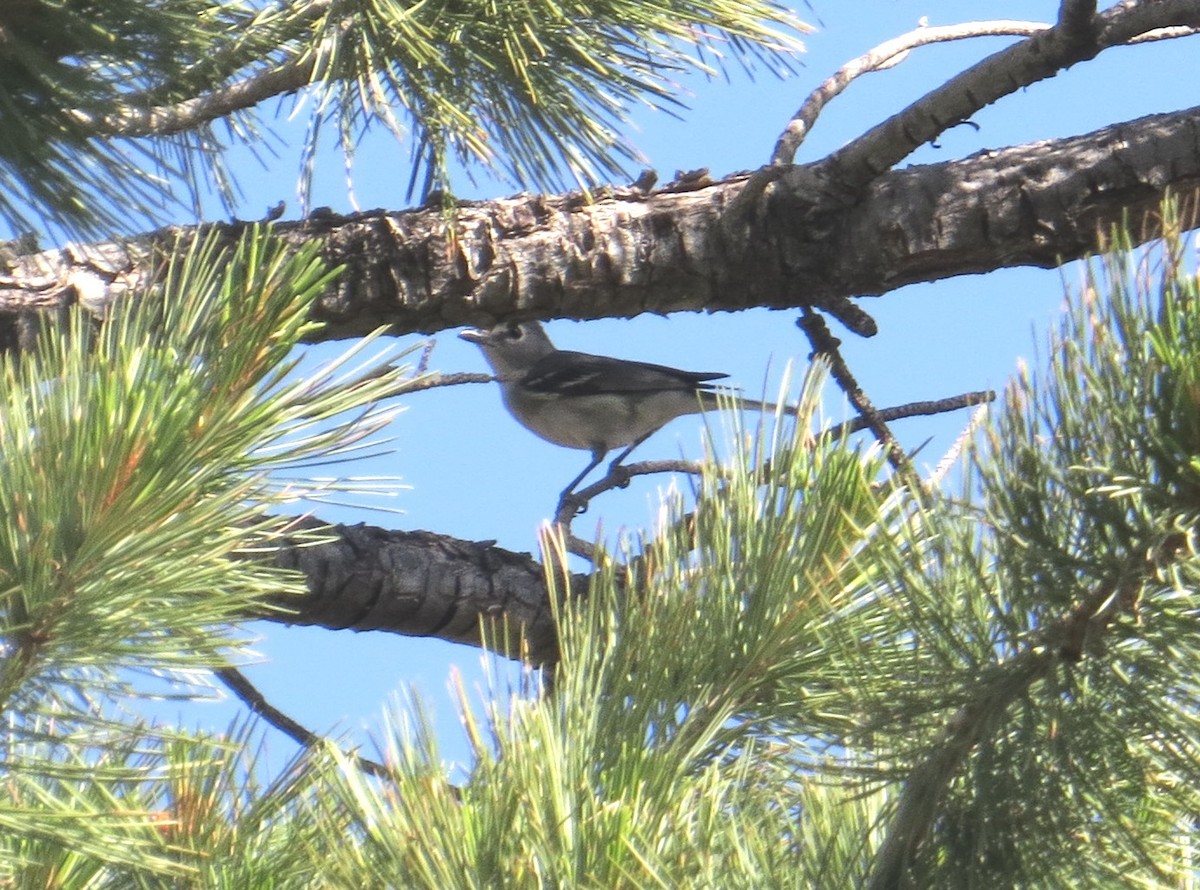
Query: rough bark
point(423, 584)
point(802, 239)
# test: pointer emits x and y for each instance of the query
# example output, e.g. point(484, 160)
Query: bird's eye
point(514, 332)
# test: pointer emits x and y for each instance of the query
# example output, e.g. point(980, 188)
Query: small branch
point(422, 378)
point(426, 356)
point(436, 379)
point(139, 116)
point(1172, 33)
point(167, 120)
point(620, 478)
point(1036, 58)
point(1126, 23)
point(851, 315)
point(579, 547)
point(917, 409)
point(250, 696)
point(825, 344)
point(887, 54)
point(951, 456)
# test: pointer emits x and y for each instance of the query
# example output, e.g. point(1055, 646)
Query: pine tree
point(819, 670)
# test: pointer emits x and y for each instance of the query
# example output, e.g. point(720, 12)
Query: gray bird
point(591, 402)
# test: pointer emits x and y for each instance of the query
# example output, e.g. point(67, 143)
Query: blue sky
point(475, 474)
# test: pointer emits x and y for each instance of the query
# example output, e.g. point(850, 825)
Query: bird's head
point(511, 349)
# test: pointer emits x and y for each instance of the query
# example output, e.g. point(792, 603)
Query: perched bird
point(592, 402)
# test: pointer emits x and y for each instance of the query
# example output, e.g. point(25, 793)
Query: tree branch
point(827, 345)
point(619, 478)
point(140, 117)
point(168, 120)
point(886, 55)
point(252, 698)
point(1077, 17)
point(1063, 640)
point(419, 583)
point(627, 252)
point(1077, 37)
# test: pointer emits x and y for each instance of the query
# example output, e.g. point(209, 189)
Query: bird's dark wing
point(580, 374)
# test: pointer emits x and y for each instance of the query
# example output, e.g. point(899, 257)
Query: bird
point(590, 402)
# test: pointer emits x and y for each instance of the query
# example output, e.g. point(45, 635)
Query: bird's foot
point(620, 476)
point(570, 505)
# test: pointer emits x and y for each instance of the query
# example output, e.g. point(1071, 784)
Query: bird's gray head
point(511, 349)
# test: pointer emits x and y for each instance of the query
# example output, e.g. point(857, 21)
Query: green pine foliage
point(112, 112)
point(137, 492)
point(810, 678)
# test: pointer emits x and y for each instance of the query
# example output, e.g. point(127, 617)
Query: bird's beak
point(474, 335)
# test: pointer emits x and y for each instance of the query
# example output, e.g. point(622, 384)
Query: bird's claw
point(569, 501)
point(620, 476)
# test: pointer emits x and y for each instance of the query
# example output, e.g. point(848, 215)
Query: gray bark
point(423, 584)
point(786, 238)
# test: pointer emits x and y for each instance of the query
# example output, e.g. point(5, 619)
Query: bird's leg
point(615, 467)
point(567, 493)
point(627, 452)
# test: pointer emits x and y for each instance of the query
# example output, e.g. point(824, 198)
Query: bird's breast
point(604, 421)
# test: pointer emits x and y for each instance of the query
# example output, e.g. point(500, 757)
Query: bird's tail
point(729, 400)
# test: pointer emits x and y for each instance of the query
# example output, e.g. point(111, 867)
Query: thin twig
point(619, 478)
point(917, 409)
point(825, 344)
point(887, 54)
point(436, 379)
point(426, 356)
point(251, 697)
point(951, 456)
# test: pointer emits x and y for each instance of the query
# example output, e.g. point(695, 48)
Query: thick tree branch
point(627, 252)
point(422, 584)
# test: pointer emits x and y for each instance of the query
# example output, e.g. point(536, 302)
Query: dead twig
point(251, 697)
